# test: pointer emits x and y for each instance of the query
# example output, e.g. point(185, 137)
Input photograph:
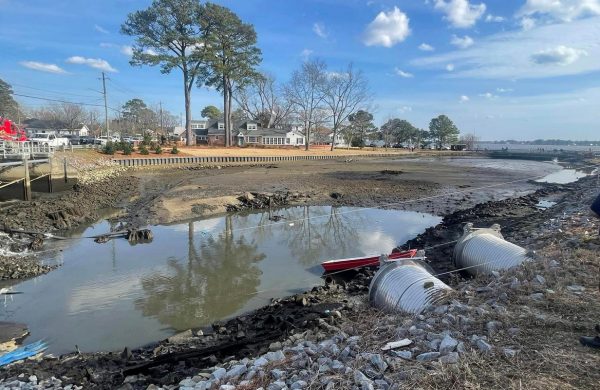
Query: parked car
point(73, 139)
point(103, 140)
point(49, 139)
point(86, 140)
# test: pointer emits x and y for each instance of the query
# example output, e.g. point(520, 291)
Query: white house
point(80, 131)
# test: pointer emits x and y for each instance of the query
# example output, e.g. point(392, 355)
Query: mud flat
point(291, 340)
point(155, 195)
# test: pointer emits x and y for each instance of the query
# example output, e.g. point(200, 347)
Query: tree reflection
point(218, 279)
point(313, 238)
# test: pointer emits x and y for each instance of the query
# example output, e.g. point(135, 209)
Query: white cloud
point(494, 18)
point(96, 63)
point(488, 95)
point(562, 10)
point(426, 47)
point(504, 90)
point(460, 13)
point(305, 54)
point(401, 73)
point(464, 99)
point(319, 29)
point(127, 50)
point(508, 55)
point(100, 29)
point(463, 42)
point(561, 55)
point(450, 67)
point(387, 29)
point(405, 109)
point(527, 23)
point(43, 67)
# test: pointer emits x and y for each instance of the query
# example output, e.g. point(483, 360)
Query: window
point(221, 125)
point(251, 139)
point(287, 141)
point(299, 141)
point(251, 126)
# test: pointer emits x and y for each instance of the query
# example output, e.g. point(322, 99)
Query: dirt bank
point(338, 309)
point(171, 195)
point(57, 213)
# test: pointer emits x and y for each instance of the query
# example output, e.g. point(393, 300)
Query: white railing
point(20, 149)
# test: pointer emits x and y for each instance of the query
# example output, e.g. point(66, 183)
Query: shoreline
point(306, 310)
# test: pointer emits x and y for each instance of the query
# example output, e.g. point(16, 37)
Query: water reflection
point(106, 296)
point(217, 279)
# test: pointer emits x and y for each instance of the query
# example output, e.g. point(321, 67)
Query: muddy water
point(107, 296)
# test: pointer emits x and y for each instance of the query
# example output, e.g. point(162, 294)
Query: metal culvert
point(405, 286)
point(483, 250)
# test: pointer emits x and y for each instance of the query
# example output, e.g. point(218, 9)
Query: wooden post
point(26, 181)
point(49, 182)
point(65, 169)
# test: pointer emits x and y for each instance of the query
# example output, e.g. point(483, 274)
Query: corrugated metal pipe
point(483, 250)
point(405, 286)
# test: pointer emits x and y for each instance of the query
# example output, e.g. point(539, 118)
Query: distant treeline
point(546, 142)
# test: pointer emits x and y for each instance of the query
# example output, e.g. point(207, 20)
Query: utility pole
point(105, 106)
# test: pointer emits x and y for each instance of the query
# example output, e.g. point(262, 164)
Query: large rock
point(428, 356)
point(447, 345)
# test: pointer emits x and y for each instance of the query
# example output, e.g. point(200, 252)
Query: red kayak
point(357, 262)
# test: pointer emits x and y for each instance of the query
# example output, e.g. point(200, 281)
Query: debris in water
point(134, 236)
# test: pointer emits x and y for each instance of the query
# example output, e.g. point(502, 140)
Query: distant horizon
point(544, 142)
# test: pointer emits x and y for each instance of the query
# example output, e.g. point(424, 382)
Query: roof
point(212, 128)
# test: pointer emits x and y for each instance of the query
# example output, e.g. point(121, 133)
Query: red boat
point(357, 262)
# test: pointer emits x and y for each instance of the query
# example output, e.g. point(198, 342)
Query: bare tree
point(263, 102)
point(305, 93)
point(344, 92)
point(63, 115)
point(470, 139)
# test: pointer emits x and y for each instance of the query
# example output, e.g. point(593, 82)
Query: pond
point(112, 295)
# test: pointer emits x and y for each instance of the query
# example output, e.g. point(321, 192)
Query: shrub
point(144, 150)
point(174, 150)
point(109, 148)
point(147, 139)
point(158, 149)
point(126, 148)
point(358, 143)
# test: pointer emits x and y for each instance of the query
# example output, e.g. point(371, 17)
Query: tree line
point(211, 46)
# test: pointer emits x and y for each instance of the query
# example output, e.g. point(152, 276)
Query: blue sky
point(520, 69)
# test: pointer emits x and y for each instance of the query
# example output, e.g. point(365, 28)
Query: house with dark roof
point(212, 132)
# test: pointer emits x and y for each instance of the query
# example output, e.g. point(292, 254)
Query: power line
point(66, 101)
point(51, 91)
point(58, 100)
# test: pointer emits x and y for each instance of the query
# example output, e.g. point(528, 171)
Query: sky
point(501, 69)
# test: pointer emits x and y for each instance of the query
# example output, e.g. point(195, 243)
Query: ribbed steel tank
point(483, 250)
point(406, 286)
